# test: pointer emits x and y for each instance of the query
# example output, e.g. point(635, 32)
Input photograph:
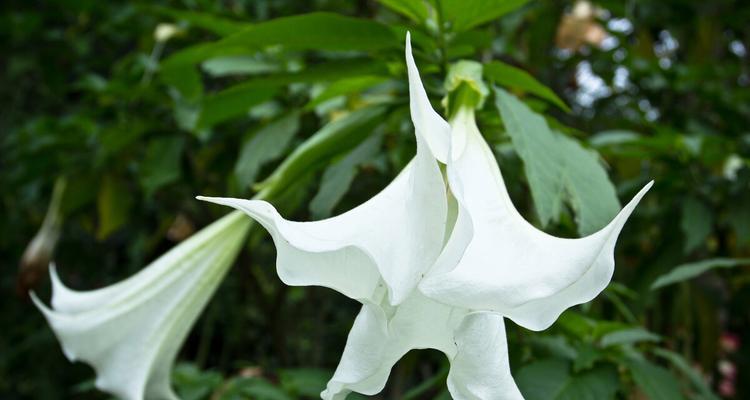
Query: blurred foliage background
point(116, 114)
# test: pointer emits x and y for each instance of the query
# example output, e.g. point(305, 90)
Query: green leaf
point(252, 388)
point(656, 382)
point(542, 380)
point(587, 186)
point(185, 79)
point(308, 382)
point(516, 78)
point(113, 205)
point(558, 168)
point(238, 65)
point(335, 137)
point(599, 383)
point(689, 271)
point(192, 383)
point(219, 25)
point(466, 14)
point(613, 138)
point(416, 10)
point(537, 146)
point(237, 100)
point(161, 164)
point(345, 86)
point(551, 380)
point(628, 336)
point(338, 177)
point(696, 379)
point(229, 104)
point(264, 145)
point(696, 223)
point(314, 31)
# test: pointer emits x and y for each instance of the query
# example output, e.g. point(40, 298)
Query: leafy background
point(129, 119)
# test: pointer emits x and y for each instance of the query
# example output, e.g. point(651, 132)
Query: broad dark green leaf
point(558, 168)
point(191, 383)
point(314, 31)
point(587, 186)
point(656, 382)
point(599, 383)
point(696, 223)
point(238, 99)
point(219, 25)
point(516, 78)
point(416, 10)
point(338, 177)
point(334, 138)
point(466, 14)
point(628, 336)
point(537, 146)
point(542, 380)
point(264, 145)
point(689, 271)
point(161, 164)
point(552, 380)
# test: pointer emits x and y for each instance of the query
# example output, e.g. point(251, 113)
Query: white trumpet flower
point(427, 280)
point(131, 332)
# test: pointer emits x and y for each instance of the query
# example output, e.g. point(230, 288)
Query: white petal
point(428, 123)
point(377, 341)
point(480, 368)
point(508, 265)
point(396, 235)
point(131, 332)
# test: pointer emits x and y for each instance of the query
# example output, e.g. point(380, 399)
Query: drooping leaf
point(537, 146)
point(161, 164)
point(339, 176)
point(466, 14)
point(558, 168)
point(264, 145)
point(628, 336)
point(516, 78)
point(696, 223)
point(689, 271)
point(656, 382)
point(314, 31)
point(587, 186)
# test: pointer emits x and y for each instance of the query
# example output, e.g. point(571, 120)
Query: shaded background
point(659, 88)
